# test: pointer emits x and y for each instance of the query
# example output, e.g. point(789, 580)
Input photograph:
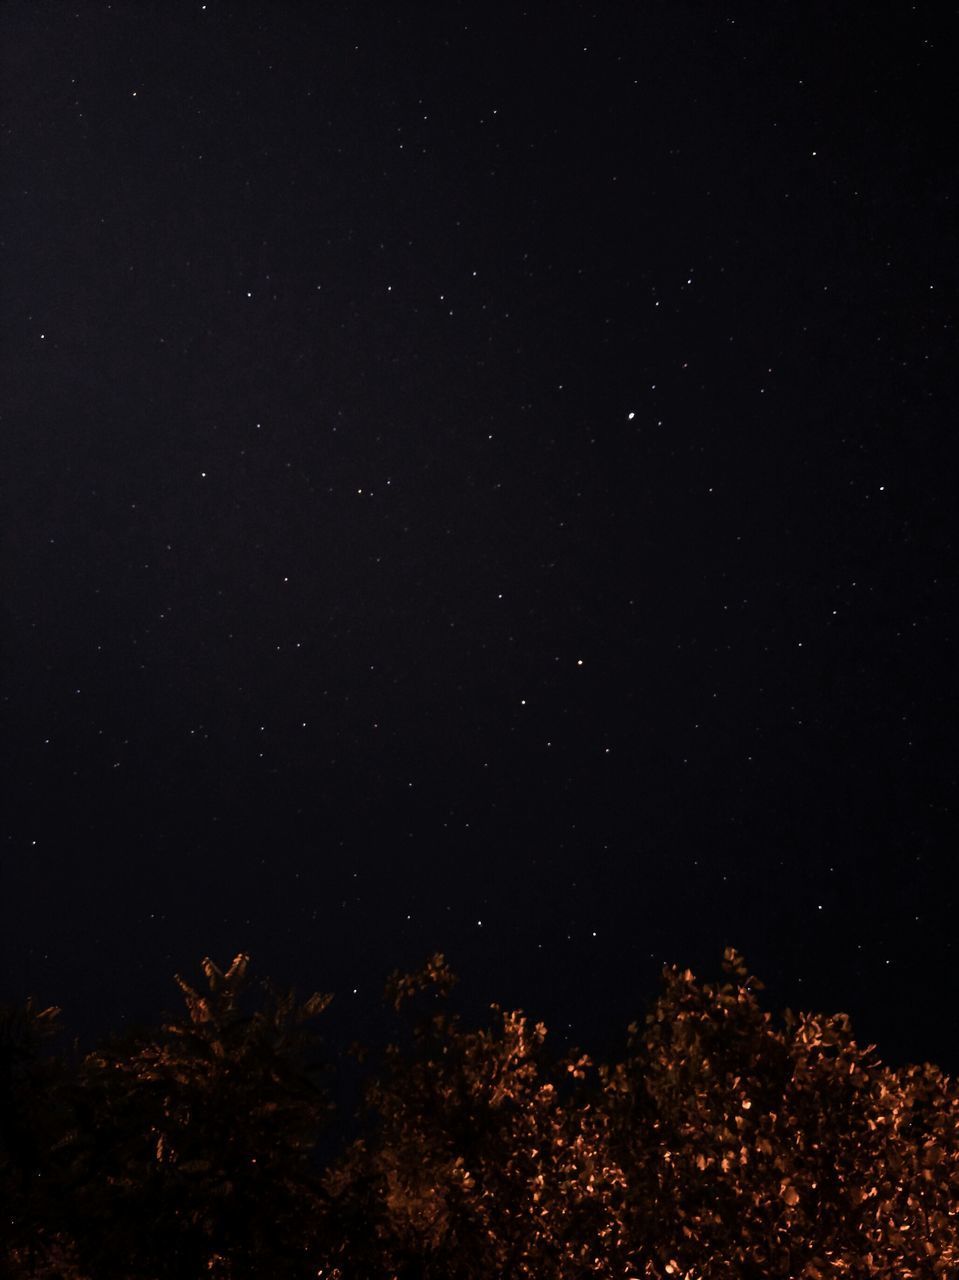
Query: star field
point(480, 482)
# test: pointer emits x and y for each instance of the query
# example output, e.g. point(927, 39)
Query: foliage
point(187, 1151)
point(32, 1116)
point(720, 1146)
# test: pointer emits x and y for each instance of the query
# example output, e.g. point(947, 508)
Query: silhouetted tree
point(189, 1152)
point(33, 1117)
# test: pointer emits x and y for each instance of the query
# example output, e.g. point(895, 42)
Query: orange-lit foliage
point(477, 1166)
point(720, 1146)
point(790, 1153)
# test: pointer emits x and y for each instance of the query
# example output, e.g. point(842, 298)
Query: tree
point(32, 1119)
point(720, 1146)
point(476, 1163)
point(190, 1149)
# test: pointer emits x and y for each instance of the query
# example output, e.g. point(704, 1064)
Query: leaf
point(214, 975)
point(237, 970)
point(316, 1003)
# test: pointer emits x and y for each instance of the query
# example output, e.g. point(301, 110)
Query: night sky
point(482, 479)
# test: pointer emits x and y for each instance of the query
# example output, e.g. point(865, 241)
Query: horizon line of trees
point(720, 1147)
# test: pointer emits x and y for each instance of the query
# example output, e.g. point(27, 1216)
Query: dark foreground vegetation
point(720, 1146)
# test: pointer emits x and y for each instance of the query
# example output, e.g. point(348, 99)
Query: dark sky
point(481, 479)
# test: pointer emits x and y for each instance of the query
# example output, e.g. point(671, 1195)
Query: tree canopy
point(720, 1146)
